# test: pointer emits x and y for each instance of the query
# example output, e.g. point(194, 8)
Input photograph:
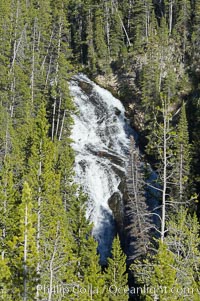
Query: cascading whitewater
point(101, 143)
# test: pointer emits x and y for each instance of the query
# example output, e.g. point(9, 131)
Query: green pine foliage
point(116, 36)
point(183, 240)
point(9, 221)
point(183, 23)
point(152, 49)
point(182, 156)
point(5, 280)
point(116, 275)
point(195, 40)
point(100, 42)
point(159, 275)
point(91, 56)
point(87, 268)
point(24, 252)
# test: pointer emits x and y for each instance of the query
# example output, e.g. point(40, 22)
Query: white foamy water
point(101, 145)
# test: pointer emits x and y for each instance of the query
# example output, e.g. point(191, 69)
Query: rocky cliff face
point(124, 86)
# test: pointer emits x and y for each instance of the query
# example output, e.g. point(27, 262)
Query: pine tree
point(142, 11)
point(5, 48)
point(183, 23)
point(9, 199)
point(151, 75)
point(65, 166)
point(77, 16)
point(195, 58)
point(5, 280)
point(92, 60)
point(182, 157)
point(25, 258)
point(92, 272)
point(194, 125)
point(116, 36)
point(7, 227)
point(87, 267)
point(161, 142)
point(170, 11)
point(100, 43)
point(18, 76)
point(115, 274)
point(7, 191)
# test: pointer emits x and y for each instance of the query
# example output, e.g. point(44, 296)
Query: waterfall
point(100, 135)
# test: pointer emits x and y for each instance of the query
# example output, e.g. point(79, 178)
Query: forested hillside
point(147, 52)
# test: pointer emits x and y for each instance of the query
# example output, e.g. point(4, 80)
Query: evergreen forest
point(147, 53)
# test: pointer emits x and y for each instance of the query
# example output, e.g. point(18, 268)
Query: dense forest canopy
point(150, 51)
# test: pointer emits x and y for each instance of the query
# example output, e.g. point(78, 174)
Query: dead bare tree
point(137, 215)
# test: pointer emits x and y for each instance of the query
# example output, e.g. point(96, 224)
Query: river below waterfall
point(101, 143)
